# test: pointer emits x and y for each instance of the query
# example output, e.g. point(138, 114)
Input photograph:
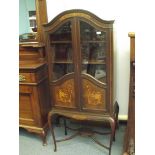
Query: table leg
point(52, 130)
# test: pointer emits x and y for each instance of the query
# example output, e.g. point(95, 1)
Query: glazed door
point(62, 66)
point(94, 67)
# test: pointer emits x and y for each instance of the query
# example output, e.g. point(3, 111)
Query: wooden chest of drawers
point(34, 103)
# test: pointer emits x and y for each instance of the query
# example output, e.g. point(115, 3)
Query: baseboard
point(123, 117)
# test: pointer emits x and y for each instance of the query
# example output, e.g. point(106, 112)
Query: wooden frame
point(41, 12)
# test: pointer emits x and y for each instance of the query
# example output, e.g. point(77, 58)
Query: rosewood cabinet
point(79, 47)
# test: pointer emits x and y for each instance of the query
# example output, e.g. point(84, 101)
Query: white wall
point(124, 15)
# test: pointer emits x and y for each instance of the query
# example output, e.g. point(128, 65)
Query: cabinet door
point(28, 106)
point(62, 66)
point(94, 75)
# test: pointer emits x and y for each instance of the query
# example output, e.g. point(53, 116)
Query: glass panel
point(93, 51)
point(97, 71)
point(63, 33)
point(89, 33)
point(62, 58)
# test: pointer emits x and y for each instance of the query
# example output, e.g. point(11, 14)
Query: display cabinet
point(79, 47)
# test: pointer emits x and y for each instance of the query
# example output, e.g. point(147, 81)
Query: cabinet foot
point(43, 137)
point(42, 132)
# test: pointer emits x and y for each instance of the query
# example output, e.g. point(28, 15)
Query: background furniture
point(79, 47)
point(34, 100)
point(129, 143)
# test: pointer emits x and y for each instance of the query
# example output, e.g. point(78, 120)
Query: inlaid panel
point(64, 94)
point(93, 96)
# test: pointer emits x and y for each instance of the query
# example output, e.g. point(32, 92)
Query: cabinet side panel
point(44, 98)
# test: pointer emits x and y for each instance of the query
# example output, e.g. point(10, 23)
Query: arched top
point(81, 14)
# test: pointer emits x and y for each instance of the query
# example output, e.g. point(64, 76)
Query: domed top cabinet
point(79, 46)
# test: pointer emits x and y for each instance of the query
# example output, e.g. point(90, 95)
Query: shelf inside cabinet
point(92, 41)
point(61, 42)
point(94, 62)
point(63, 62)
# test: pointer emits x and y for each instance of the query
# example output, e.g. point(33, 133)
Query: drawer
point(33, 75)
point(25, 89)
point(27, 77)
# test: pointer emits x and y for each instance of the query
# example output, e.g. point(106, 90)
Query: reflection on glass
point(62, 51)
point(59, 70)
point(97, 71)
point(94, 52)
point(63, 33)
point(89, 33)
point(93, 49)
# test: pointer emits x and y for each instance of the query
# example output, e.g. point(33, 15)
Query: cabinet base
point(41, 131)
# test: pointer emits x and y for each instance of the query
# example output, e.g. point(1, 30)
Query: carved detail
point(93, 95)
point(65, 94)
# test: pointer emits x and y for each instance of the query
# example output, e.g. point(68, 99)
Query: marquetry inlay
point(93, 95)
point(65, 93)
point(75, 14)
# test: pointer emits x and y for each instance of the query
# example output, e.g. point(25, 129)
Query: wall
point(24, 7)
point(124, 23)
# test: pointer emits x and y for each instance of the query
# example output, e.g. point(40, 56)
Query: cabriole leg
point(52, 130)
point(43, 136)
point(112, 124)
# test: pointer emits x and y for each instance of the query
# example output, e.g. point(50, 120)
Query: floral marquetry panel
point(93, 96)
point(64, 94)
